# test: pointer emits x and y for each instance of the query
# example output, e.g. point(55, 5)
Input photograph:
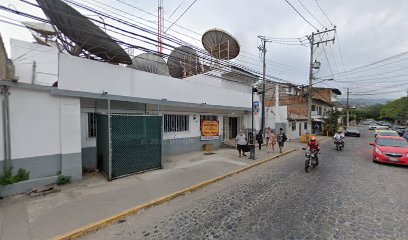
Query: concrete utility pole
point(263, 50)
point(347, 108)
point(313, 42)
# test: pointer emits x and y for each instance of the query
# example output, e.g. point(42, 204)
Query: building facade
point(55, 103)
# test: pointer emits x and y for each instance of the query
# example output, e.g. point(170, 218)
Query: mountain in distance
point(364, 101)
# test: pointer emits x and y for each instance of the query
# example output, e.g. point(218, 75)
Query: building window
point(293, 126)
point(91, 125)
point(313, 108)
point(305, 125)
point(208, 117)
point(176, 123)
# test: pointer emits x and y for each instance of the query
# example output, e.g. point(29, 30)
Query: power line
point(188, 8)
point(324, 12)
point(301, 15)
point(313, 16)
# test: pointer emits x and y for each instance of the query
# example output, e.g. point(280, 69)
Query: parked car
point(375, 127)
point(389, 149)
point(401, 131)
point(405, 135)
point(372, 127)
point(380, 132)
point(352, 132)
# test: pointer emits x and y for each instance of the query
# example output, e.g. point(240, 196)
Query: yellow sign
point(209, 130)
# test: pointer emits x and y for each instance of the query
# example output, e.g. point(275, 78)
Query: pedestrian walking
point(271, 141)
point(241, 142)
point(259, 138)
point(281, 139)
point(267, 132)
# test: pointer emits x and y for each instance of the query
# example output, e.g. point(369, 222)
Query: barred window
point(208, 117)
point(91, 125)
point(305, 125)
point(176, 123)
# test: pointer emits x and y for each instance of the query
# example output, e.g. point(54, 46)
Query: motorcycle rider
point(314, 145)
point(339, 136)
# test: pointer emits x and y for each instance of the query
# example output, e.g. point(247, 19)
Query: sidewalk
point(94, 198)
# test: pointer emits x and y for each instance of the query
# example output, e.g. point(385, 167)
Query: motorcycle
point(310, 159)
point(339, 144)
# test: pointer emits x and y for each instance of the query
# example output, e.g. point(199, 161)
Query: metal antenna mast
point(160, 26)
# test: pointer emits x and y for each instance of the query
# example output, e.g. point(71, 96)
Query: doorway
point(233, 127)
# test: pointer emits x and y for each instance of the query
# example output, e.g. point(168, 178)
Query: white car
point(372, 127)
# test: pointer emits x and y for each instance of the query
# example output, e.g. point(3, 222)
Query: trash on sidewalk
point(42, 191)
point(208, 149)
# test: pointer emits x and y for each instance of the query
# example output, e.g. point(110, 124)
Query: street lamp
point(252, 142)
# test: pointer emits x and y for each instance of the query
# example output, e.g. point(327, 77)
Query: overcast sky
point(368, 30)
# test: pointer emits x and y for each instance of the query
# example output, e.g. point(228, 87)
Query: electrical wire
point(301, 15)
point(313, 16)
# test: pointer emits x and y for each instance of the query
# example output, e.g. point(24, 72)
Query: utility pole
point(347, 108)
point(262, 48)
point(263, 85)
point(313, 43)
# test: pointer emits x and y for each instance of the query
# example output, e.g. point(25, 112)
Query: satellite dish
point(183, 62)
point(151, 63)
point(220, 44)
point(84, 33)
point(42, 32)
point(42, 28)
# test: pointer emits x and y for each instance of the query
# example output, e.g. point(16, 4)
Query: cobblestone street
point(346, 197)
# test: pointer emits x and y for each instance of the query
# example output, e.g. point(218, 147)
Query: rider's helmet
point(312, 138)
point(339, 131)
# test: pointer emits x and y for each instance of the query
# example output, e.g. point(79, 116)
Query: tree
point(332, 122)
point(396, 110)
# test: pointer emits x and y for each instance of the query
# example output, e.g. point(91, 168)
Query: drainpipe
point(6, 127)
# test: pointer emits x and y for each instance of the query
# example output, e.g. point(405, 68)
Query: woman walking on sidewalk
point(271, 141)
point(241, 142)
point(259, 138)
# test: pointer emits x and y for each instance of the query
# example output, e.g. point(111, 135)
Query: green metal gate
point(134, 143)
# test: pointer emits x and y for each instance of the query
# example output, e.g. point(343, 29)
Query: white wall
point(218, 82)
point(292, 134)
point(24, 53)
point(272, 117)
point(42, 124)
point(80, 74)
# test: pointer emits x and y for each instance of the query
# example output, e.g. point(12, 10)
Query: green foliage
point(370, 112)
point(22, 175)
point(63, 179)
point(331, 125)
point(8, 178)
point(396, 110)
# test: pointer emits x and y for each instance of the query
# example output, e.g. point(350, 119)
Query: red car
point(390, 149)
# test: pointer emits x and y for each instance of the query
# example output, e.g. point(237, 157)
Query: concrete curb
point(123, 215)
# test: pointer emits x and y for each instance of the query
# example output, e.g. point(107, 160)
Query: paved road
point(346, 197)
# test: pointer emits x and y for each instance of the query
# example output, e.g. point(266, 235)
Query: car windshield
point(388, 134)
point(352, 130)
point(388, 142)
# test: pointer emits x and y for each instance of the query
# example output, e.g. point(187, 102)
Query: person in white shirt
point(338, 136)
point(241, 142)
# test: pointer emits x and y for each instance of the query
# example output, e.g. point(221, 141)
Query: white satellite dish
point(151, 63)
point(42, 32)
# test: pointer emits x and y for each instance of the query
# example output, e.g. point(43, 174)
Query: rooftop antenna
point(160, 27)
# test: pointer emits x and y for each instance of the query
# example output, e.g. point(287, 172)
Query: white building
point(53, 129)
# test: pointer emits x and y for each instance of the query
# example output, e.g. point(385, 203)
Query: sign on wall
point(209, 130)
point(257, 107)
